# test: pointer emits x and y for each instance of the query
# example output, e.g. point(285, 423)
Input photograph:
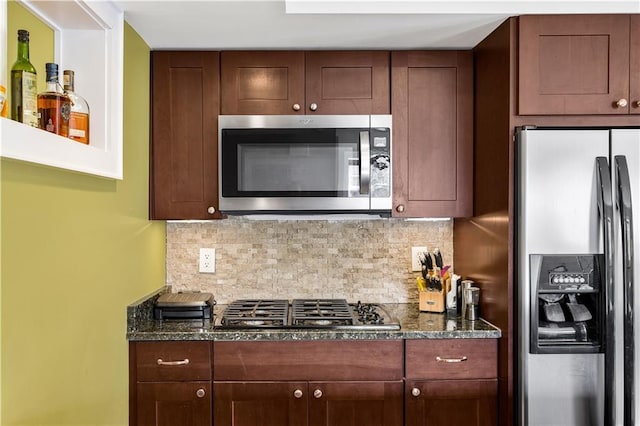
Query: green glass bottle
point(24, 85)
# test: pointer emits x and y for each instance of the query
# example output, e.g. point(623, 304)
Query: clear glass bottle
point(24, 85)
point(54, 106)
point(79, 118)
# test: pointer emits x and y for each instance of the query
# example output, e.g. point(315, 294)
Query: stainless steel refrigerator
point(576, 234)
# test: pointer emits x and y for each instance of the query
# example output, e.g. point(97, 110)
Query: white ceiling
point(336, 24)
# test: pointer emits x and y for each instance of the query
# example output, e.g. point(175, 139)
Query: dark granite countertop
point(414, 325)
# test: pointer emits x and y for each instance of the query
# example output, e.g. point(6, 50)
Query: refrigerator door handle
point(626, 225)
point(605, 207)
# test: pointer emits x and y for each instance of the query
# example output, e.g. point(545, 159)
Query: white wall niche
point(89, 39)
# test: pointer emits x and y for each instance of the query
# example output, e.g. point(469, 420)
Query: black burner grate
point(306, 313)
point(257, 313)
point(321, 312)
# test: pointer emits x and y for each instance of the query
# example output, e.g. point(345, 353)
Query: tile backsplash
point(368, 260)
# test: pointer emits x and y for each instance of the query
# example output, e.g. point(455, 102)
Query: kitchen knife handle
point(365, 162)
point(451, 360)
point(181, 362)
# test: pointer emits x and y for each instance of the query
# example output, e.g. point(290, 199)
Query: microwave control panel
point(380, 163)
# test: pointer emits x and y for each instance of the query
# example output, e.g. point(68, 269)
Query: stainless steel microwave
point(304, 164)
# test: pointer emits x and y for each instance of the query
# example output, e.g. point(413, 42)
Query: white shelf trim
point(89, 39)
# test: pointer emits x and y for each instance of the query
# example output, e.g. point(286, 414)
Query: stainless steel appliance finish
point(574, 211)
point(285, 164)
point(306, 313)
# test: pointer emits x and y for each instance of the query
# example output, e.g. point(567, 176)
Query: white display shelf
point(89, 39)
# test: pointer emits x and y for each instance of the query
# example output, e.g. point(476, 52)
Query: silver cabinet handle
point(297, 393)
point(622, 103)
point(415, 392)
point(200, 393)
point(181, 362)
point(296, 107)
point(211, 210)
point(451, 360)
point(636, 104)
point(400, 208)
point(317, 393)
point(313, 107)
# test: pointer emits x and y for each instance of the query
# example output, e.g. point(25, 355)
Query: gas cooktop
point(306, 313)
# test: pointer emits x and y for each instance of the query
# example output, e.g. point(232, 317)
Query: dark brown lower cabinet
point(314, 383)
point(355, 403)
point(260, 403)
point(311, 404)
point(174, 403)
point(451, 402)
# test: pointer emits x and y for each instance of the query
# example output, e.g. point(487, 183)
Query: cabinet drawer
point(452, 359)
point(173, 361)
point(309, 360)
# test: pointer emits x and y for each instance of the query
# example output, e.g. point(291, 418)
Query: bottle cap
point(23, 35)
point(67, 79)
point(52, 71)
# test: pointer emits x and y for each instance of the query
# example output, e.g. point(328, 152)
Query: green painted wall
point(76, 249)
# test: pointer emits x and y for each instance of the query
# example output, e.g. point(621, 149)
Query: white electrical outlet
point(415, 262)
point(207, 261)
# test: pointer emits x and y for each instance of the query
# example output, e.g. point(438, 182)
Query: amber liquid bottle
point(79, 118)
point(54, 106)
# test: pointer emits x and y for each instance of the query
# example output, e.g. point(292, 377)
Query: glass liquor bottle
point(79, 118)
point(54, 106)
point(24, 85)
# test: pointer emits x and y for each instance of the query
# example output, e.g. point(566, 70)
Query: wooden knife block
point(432, 301)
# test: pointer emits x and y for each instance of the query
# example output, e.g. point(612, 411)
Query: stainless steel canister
point(466, 284)
point(472, 296)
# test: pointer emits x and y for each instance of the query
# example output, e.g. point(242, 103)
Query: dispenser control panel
point(569, 273)
point(570, 280)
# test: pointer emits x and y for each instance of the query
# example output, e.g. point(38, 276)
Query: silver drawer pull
point(461, 359)
point(182, 362)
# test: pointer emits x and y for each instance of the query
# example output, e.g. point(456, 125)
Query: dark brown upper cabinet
point(297, 82)
point(578, 64)
point(185, 104)
point(432, 107)
point(634, 65)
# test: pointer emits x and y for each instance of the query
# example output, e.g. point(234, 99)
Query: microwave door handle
point(365, 159)
point(605, 207)
point(626, 224)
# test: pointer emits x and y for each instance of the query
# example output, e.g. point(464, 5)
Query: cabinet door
point(451, 402)
point(355, 403)
point(347, 82)
point(267, 82)
point(432, 106)
point(634, 70)
point(184, 135)
point(260, 403)
point(174, 403)
point(573, 64)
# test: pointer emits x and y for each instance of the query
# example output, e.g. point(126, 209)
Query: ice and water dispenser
point(567, 303)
